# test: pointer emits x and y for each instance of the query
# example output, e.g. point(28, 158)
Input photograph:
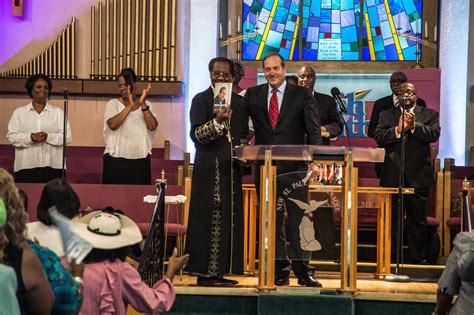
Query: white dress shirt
point(280, 93)
point(28, 154)
point(132, 140)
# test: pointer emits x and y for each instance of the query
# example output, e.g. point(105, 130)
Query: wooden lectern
point(345, 156)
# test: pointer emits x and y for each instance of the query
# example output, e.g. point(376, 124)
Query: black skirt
point(37, 175)
point(126, 171)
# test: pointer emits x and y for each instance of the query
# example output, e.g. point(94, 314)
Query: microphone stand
point(341, 117)
point(63, 169)
point(398, 277)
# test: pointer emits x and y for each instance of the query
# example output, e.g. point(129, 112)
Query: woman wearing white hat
point(110, 283)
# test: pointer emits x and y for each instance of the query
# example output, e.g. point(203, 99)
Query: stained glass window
point(331, 29)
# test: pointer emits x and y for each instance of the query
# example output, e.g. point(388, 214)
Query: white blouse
point(47, 236)
point(28, 154)
point(132, 140)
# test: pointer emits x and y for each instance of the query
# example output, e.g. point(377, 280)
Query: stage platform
point(374, 297)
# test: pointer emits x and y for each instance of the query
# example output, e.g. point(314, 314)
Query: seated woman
point(34, 293)
point(109, 282)
point(457, 278)
point(129, 129)
point(36, 132)
point(8, 287)
point(57, 193)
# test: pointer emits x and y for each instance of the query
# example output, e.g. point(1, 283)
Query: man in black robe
point(215, 230)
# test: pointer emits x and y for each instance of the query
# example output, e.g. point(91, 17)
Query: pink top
point(110, 286)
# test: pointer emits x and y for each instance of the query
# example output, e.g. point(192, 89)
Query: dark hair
point(30, 83)
point(271, 54)
point(292, 77)
point(400, 73)
point(59, 193)
point(129, 76)
point(23, 198)
point(222, 59)
point(98, 255)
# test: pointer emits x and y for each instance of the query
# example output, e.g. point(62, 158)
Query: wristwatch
point(146, 108)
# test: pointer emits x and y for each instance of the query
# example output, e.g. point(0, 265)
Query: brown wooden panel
point(94, 87)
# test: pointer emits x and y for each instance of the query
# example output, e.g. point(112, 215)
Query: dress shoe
point(213, 282)
point(282, 281)
point(233, 282)
point(309, 281)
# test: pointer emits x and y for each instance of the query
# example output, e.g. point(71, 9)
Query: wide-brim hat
point(106, 230)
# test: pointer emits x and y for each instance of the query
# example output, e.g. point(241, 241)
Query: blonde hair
point(13, 232)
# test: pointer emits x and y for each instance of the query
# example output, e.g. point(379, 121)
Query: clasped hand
point(38, 136)
point(409, 122)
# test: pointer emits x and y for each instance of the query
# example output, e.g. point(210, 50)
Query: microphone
point(337, 96)
point(65, 93)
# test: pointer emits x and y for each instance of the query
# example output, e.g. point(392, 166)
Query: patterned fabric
point(207, 133)
point(216, 225)
point(67, 300)
point(273, 110)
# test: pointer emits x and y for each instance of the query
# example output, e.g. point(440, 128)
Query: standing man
point(388, 102)
point(421, 128)
point(285, 114)
point(215, 229)
point(331, 123)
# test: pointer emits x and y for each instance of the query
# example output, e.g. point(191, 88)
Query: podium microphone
point(337, 96)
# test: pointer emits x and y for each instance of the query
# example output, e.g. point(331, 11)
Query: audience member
point(109, 282)
point(129, 129)
point(8, 287)
point(36, 132)
point(60, 194)
point(458, 278)
point(34, 293)
point(67, 288)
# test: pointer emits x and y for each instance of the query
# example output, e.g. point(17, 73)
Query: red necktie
point(273, 110)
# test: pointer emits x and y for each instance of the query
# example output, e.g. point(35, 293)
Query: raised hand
point(175, 263)
point(224, 114)
point(144, 94)
point(129, 95)
point(410, 120)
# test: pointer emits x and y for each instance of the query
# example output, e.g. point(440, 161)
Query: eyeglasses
point(217, 74)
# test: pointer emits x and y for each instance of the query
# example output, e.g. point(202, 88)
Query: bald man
point(331, 123)
point(421, 127)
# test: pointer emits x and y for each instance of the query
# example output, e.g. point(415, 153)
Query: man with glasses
point(388, 102)
point(215, 230)
point(285, 114)
point(420, 126)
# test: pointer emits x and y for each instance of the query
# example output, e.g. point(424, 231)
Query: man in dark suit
point(285, 114)
point(331, 123)
point(421, 127)
point(388, 102)
point(396, 79)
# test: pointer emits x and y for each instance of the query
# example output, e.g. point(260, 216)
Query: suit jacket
point(329, 115)
point(381, 105)
point(418, 168)
point(298, 119)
